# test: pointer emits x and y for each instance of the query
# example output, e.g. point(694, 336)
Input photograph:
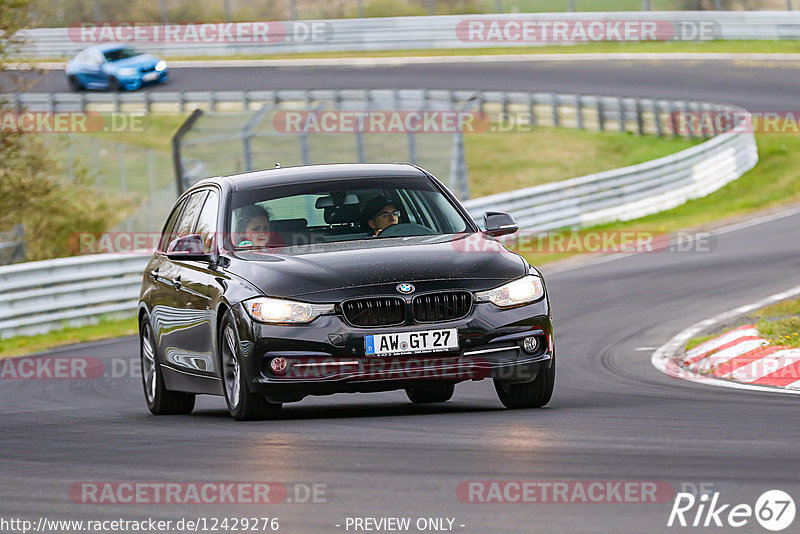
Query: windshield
point(120, 53)
point(341, 210)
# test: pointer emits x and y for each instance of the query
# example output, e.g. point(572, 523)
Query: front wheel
point(429, 393)
point(74, 83)
point(534, 394)
point(242, 404)
point(160, 401)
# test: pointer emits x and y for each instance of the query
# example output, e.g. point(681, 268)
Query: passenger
point(252, 227)
point(380, 213)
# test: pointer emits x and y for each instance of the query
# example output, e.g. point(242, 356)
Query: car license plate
point(150, 76)
point(411, 342)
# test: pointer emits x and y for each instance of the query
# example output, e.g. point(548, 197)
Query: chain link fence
point(12, 247)
point(142, 176)
point(226, 143)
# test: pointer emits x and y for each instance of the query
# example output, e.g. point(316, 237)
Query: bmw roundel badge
point(405, 289)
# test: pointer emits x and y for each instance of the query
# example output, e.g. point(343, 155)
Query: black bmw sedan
point(273, 285)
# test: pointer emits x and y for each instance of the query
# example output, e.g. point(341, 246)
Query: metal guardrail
point(406, 33)
point(36, 296)
point(630, 192)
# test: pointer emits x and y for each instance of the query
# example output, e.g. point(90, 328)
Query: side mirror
point(498, 223)
point(189, 248)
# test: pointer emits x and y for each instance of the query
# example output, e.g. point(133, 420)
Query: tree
point(33, 189)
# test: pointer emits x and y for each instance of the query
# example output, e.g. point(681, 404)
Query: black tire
point(534, 394)
point(160, 401)
point(113, 85)
point(429, 393)
point(242, 404)
point(74, 83)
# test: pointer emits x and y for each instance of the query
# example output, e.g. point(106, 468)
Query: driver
point(380, 213)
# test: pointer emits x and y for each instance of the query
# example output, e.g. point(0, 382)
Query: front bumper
point(328, 355)
point(136, 81)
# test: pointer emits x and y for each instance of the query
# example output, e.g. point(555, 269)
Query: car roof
point(313, 173)
point(106, 47)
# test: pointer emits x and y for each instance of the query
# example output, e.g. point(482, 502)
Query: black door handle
point(177, 283)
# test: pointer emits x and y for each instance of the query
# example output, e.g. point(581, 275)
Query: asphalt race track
point(613, 416)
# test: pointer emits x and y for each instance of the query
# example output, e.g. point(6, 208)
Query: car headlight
point(127, 72)
point(267, 310)
point(161, 65)
point(522, 291)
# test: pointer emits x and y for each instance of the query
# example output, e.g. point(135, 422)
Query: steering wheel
point(405, 230)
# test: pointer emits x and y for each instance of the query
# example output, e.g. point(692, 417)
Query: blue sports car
point(114, 67)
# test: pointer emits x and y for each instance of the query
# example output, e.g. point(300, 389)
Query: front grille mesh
point(375, 311)
point(442, 306)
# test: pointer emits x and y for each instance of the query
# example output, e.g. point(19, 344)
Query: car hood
point(146, 61)
point(332, 272)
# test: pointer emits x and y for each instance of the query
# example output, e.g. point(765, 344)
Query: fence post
point(412, 148)
point(532, 109)
point(622, 125)
point(639, 117)
point(556, 115)
point(304, 149)
point(458, 181)
point(657, 119)
point(579, 111)
point(177, 163)
point(601, 118)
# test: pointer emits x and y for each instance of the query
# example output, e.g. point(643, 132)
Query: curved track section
point(757, 85)
point(613, 416)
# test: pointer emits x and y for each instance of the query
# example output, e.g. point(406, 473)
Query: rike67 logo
point(774, 510)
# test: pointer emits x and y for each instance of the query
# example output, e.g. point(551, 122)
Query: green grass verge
point(698, 340)
point(651, 47)
point(784, 331)
point(499, 162)
point(779, 323)
point(105, 329)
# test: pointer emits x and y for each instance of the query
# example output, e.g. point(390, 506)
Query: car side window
point(207, 221)
point(189, 215)
point(169, 228)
